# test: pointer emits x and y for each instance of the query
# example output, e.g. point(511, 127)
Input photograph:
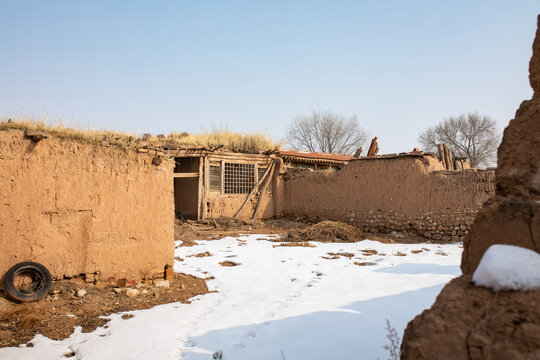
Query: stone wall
point(403, 194)
point(84, 209)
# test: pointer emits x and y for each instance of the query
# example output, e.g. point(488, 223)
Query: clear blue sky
point(162, 66)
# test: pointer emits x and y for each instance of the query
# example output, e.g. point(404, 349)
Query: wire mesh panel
point(215, 178)
point(239, 178)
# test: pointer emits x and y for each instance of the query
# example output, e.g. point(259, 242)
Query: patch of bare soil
point(369, 252)
point(212, 229)
point(300, 244)
point(228, 263)
point(294, 231)
point(58, 313)
point(200, 255)
point(365, 263)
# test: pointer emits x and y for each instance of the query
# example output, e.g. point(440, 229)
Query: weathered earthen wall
point(80, 208)
point(471, 322)
point(228, 205)
point(409, 194)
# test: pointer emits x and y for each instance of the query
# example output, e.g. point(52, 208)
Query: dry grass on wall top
point(233, 141)
point(242, 142)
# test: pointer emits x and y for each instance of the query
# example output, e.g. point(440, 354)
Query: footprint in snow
point(251, 334)
point(239, 346)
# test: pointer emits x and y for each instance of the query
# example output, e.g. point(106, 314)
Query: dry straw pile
point(327, 231)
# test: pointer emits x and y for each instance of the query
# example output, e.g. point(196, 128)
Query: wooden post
point(446, 157)
point(206, 186)
point(222, 190)
point(357, 153)
point(372, 146)
point(441, 154)
point(200, 190)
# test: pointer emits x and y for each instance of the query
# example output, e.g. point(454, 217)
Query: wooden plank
point(200, 190)
point(206, 183)
point(186, 175)
point(441, 153)
point(357, 153)
point(372, 146)
point(263, 191)
point(447, 158)
point(253, 191)
point(222, 190)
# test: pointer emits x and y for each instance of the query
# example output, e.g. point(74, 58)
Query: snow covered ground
point(278, 303)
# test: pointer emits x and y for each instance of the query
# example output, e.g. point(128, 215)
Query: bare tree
point(473, 136)
point(325, 131)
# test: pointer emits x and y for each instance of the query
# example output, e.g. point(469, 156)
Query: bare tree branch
point(324, 131)
point(472, 136)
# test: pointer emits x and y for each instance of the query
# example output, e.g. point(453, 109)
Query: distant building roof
point(396, 155)
point(313, 156)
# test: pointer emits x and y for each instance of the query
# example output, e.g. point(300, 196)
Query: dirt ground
point(58, 313)
point(294, 232)
point(213, 229)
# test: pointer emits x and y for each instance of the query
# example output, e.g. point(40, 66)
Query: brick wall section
point(80, 208)
point(407, 194)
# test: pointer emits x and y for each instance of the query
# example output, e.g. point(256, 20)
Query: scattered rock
point(161, 283)
point(81, 293)
point(117, 290)
point(132, 292)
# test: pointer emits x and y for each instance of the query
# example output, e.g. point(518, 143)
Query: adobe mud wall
point(228, 205)
point(471, 322)
point(84, 209)
point(409, 194)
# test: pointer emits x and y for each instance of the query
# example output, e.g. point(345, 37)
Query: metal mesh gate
point(239, 178)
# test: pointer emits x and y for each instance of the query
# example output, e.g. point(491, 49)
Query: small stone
point(117, 290)
point(81, 293)
point(161, 283)
point(144, 291)
point(132, 292)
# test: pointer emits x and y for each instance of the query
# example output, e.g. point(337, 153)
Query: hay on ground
point(327, 231)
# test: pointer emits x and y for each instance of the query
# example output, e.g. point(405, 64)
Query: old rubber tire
point(36, 275)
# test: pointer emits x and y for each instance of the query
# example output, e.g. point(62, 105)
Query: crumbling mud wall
point(408, 193)
point(84, 209)
point(470, 322)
